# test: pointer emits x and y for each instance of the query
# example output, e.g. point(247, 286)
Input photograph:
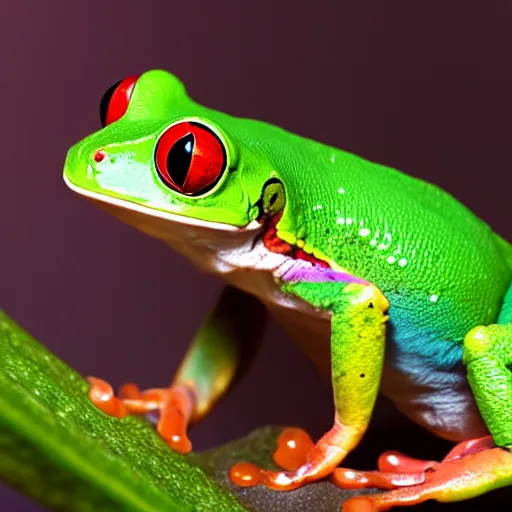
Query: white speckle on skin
point(333, 158)
point(393, 460)
point(364, 232)
point(434, 298)
point(341, 190)
point(391, 259)
point(340, 220)
point(402, 262)
point(282, 479)
point(348, 221)
point(479, 334)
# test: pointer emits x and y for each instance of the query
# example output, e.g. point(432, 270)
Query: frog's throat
point(269, 253)
point(160, 214)
point(223, 248)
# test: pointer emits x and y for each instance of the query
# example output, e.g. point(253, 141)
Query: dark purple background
point(425, 90)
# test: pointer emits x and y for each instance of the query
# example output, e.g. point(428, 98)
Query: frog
point(386, 282)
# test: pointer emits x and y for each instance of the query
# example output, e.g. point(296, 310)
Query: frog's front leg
point(221, 346)
point(358, 316)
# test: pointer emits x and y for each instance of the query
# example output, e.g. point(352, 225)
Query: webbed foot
point(302, 460)
point(175, 405)
point(470, 469)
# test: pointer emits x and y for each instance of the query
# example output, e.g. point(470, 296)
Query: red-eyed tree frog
point(385, 281)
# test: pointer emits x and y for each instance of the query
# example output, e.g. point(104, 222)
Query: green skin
point(395, 246)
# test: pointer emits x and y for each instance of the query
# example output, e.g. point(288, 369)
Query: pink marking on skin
point(316, 274)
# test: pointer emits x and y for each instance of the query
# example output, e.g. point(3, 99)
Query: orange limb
point(455, 479)
point(175, 404)
point(395, 470)
point(350, 479)
point(396, 462)
point(399, 470)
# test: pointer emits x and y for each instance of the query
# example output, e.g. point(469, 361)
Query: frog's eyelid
point(115, 101)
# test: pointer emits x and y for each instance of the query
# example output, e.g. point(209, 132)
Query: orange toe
point(293, 446)
point(102, 396)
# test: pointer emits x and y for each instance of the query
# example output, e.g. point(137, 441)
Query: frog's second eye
point(190, 158)
point(115, 101)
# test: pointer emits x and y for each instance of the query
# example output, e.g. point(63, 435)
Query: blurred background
point(424, 89)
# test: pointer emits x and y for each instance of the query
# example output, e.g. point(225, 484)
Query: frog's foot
point(399, 470)
point(175, 405)
point(302, 459)
point(471, 468)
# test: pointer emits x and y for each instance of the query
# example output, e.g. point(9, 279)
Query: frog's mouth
point(275, 244)
point(213, 246)
point(105, 201)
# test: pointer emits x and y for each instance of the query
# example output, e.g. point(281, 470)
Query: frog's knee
point(369, 296)
point(479, 341)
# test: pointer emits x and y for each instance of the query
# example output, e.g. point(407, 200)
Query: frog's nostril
point(99, 155)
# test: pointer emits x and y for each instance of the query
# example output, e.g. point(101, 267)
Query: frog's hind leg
point(454, 480)
point(473, 467)
point(399, 470)
point(488, 357)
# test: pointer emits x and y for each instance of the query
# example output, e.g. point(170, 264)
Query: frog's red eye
point(190, 158)
point(115, 101)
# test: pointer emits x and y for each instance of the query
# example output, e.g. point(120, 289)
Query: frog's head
point(172, 167)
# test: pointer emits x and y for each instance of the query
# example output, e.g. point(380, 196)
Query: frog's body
point(315, 234)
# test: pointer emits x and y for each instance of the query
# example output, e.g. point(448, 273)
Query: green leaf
point(58, 448)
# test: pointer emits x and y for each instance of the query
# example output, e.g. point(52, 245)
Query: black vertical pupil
point(105, 102)
point(179, 158)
